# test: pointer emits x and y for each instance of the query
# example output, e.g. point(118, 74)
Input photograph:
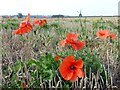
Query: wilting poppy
point(113, 36)
point(28, 17)
point(42, 22)
point(71, 69)
point(71, 39)
point(57, 57)
point(24, 85)
point(36, 21)
point(24, 27)
point(103, 34)
point(23, 30)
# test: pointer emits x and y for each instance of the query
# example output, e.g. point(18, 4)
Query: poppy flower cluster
point(57, 57)
point(71, 39)
point(26, 27)
point(105, 34)
point(71, 69)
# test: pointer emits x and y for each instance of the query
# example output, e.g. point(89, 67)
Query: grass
point(29, 58)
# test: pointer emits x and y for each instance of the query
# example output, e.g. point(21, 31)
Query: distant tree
point(57, 16)
point(20, 15)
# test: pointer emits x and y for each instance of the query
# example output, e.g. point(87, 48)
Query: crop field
point(74, 53)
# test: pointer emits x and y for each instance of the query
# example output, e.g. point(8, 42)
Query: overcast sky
point(65, 7)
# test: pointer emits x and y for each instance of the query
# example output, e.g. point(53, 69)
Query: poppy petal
point(74, 77)
point(80, 73)
point(65, 72)
point(29, 26)
point(77, 45)
point(71, 36)
point(68, 59)
point(63, 43)
point(78, 64)
point(26, 28)
point(42, 22)
point(17, 32)
point(28, 17)
point(36, 21)
point(23, 30)
point(65, 67)
point(103, 34)
point(45, 21)
point(113, 36)
point(23, 24)
point(67, 62)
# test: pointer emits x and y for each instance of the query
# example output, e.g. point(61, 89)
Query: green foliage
point(76, 20)
point(46, 26)
point(102, 24)
point(55, 25)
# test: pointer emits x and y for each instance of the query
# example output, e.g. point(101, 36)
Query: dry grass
point(33, 45)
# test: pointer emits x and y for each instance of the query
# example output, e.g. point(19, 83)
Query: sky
point(55, 7)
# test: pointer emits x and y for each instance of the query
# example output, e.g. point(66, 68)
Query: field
point(28, 60)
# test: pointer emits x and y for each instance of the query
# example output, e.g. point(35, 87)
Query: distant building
point(80, 15)
point(19, 15)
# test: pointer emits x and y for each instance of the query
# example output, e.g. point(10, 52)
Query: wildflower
point(71, 69)
point(71, 39)
point(28, 18)
point(42, 22)
point(103, 34)
point(57, 57)
point(24, 85)
point(24, 27)
point(36, 21)
point(113, 36)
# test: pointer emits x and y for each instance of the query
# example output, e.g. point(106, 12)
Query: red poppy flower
point(42, 22)
point(24, 27)
point(57, 57)
point(71, 39)
point(36, 21)
point(28, 17)
point(24, 85)
point(71, 69)
point(113, 36)
point(103, 34)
